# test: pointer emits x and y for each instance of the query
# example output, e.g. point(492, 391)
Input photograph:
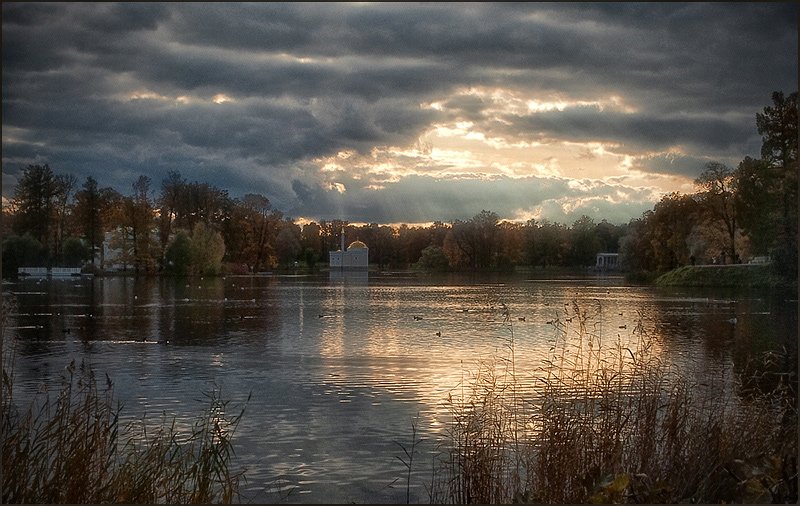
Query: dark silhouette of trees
point(64, 186)
point(34, 203)
point(778, 126)
point(171, 188)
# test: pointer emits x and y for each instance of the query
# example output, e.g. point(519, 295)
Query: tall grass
point(614, 421)
point(69, 446)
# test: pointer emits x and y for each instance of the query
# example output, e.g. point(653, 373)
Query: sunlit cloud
point(221, 98)
point(401, 112)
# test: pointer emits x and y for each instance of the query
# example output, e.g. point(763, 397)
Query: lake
point(339, 367)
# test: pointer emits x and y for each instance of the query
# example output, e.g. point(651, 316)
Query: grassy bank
point(610, 423)
point(733, 276)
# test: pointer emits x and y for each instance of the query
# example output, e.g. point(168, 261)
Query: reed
point(611, 421)
point(70, 446)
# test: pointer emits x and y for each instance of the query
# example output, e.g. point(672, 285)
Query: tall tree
point(171, 189)
point(93, 205)
point(779, 129)
point(717, 190)
point(138, 222)
point(584, 244)
point(64, 186)
point(260, 229)
point(34, 203)
point(759, 204)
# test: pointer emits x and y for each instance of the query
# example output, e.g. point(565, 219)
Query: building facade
point(607, 262)
point(352, 257)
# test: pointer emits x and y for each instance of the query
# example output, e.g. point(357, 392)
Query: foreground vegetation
point(70, 446)
point(610, 423)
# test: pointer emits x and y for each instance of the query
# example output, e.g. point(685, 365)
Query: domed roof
point(357, 245)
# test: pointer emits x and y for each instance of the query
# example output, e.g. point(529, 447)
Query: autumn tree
point(659, 240)
point(134, 234)
point(472, 244)
point(257, 223)
point(717, 198)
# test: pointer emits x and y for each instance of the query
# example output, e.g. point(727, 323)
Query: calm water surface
point(340, 367)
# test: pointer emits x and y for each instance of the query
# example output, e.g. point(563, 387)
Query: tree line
point(189, 227)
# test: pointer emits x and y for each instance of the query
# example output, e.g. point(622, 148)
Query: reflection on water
point(339, 366)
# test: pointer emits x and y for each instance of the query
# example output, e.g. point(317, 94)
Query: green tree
point(545, 243)
point(178, 255)
point(34, 203)
point(311, 257)
point(760, 213)
point(75, 253)
point(287, 242)
point(779, 130)
point(21, 251)
point(433, 259)
point(584, 244)
point(311, 239)
point(207, 250)
point(778, 126)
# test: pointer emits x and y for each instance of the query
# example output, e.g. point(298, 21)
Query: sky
point(396, 112)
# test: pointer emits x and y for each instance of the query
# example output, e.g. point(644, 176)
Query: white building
point(353, 257)
point(607, 262)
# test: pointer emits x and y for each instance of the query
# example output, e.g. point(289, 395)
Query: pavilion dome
point(357, 245)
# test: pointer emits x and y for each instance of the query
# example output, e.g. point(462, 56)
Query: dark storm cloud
point(306, 81)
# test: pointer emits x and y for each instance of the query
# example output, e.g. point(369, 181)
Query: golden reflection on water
point(431, 348)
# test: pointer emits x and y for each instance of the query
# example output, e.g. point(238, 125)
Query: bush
point(74, 252)
point(24, 251)
point(433, 259)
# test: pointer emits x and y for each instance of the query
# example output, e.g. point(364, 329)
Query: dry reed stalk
point(614, 422)
point(68, 447)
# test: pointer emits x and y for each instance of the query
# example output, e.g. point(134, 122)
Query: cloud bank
point(396, 112)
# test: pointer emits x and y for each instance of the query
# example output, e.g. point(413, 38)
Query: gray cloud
point(309, 81)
